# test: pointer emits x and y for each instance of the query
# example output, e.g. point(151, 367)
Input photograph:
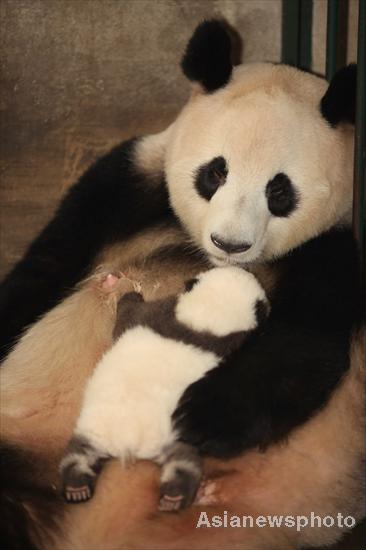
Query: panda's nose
point(230, 248)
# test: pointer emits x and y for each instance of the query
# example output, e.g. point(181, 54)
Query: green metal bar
point(332, 31)
point(306, 21)
point(290, 32)
point(337, 19)
point(359, 190)
point(296, 32)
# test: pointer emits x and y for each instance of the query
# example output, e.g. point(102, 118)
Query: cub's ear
point(339, 101)
point(207, 59)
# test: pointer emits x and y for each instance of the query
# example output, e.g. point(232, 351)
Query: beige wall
point(80, 75)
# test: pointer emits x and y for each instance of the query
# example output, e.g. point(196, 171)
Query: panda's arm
point(288, 371)
point(112, 200)
point(260, 394)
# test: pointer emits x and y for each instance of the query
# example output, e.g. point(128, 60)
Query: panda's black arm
point(288, 371)
point(112, 200)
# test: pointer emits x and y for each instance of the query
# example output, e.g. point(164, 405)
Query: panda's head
point(222, 301)
point(261, 158)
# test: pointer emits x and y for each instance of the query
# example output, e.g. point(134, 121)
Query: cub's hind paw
point(179, 492)
point(168, 503)
point(76, 495)
point(77, 486)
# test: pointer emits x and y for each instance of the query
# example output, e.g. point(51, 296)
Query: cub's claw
point(169, 503)
point(179, 492)
point(77, 494)
point(77, 486)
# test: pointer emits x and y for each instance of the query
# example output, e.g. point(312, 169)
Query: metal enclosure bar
point(296, 33)
point(306, 24)
point(296, 51)
point(337, 19)
point(359, 189)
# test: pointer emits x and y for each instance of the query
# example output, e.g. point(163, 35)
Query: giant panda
point(255, 171)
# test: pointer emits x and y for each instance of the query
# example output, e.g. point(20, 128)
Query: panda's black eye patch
point(282, 197)
point(210, 177)
point(188, 285)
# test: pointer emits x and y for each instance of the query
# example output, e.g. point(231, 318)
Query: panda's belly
point(134, 390)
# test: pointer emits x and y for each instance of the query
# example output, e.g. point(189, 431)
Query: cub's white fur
point(135, 389)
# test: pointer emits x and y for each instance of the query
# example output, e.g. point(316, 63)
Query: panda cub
point(161, 348)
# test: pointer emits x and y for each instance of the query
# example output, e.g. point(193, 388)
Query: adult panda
point(258, 170)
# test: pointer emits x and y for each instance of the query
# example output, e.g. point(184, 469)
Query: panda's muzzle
point(229, 247)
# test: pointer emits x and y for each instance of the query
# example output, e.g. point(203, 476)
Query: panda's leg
point(181, 474)
point(80, 468)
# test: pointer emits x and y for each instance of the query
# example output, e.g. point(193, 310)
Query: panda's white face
point(254, 170)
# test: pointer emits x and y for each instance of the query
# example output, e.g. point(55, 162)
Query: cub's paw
point(178, 492)
point(77, 486)
point(75, 495)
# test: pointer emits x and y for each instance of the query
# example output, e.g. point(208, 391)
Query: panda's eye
point(210, 177)
point(282, 197)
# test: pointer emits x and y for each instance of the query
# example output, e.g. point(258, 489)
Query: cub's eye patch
point(210, 177)
point(282, 197)
point(188, 285)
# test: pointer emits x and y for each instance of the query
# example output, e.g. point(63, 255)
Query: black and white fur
point(257, 169)
point(162, 347)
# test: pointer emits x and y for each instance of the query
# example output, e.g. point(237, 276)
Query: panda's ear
point(339, 101)
point(207, 59)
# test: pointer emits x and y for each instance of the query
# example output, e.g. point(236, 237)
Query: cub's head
point(261, 158)
point(222, 301)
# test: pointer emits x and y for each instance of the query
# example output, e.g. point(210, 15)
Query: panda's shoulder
point(321, 279)
point(334, 251)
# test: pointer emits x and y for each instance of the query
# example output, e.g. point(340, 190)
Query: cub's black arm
point(130, 309)
point(287, 372)
point(110, 202)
